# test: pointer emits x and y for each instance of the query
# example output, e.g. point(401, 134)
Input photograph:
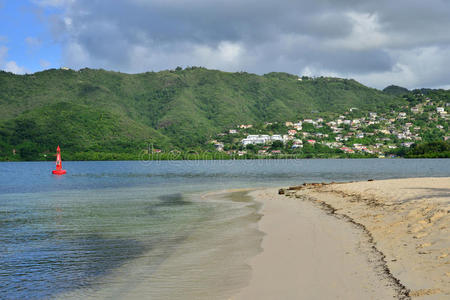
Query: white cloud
point(421, 67)
point(76, 56)
point(227, 55)
point(366, 33)
point(377, 42)
point(11, 66)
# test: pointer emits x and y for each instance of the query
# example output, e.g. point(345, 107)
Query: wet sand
point(364, 240)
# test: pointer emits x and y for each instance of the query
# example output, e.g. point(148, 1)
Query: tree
point(277, 145)
point(28, 151)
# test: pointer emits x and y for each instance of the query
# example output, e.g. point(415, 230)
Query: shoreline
point(378, 217)
point(256, 157)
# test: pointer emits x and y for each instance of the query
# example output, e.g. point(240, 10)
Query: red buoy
point(59, 170)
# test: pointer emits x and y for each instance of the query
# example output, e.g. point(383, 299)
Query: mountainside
point(396, 90)
point(97, 110)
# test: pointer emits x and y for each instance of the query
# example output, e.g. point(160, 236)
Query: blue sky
point(378, 43)
point(26, 36)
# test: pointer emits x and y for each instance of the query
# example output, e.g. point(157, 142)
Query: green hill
point(396, 90)
point(102, 111)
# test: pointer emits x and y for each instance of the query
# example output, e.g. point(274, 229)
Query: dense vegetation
point(97, 114)
point(438, 149)
point(396, 90)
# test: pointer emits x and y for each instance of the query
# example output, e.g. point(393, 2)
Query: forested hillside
point(102, 111)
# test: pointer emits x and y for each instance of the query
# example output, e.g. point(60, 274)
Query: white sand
point(308, 254)
point(409, 221)
point(361, 240)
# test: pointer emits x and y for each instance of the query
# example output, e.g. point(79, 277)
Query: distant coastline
point(107, 156)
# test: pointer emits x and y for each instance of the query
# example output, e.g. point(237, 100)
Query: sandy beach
point(363, 240)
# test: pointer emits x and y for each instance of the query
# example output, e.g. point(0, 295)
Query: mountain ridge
point(93, 109)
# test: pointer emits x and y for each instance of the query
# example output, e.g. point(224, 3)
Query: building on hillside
point(277, 137)
point(261, 139)
point(245, 126)
point(347, 122)
point(298, 125)
point(407, 144)
point(218, 146)
point(331, 124)
point(347, 150)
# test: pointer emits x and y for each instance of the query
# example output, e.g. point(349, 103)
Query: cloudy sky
point(403, 42)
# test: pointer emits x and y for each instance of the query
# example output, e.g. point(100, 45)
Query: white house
point(255, 139)
point(276, 137)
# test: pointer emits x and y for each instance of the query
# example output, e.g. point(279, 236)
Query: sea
point(151, 229)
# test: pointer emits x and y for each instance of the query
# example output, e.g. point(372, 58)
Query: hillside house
point(218, 146)
point(347, 150)
point(415, 110)
point(277, 137)
point(298, 125)
point(245, 126)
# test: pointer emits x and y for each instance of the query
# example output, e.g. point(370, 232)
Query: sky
point(378, 43)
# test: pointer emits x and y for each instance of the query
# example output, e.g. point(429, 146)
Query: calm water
point(153, 229)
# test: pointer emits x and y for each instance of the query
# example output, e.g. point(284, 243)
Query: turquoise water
point(149, 229)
